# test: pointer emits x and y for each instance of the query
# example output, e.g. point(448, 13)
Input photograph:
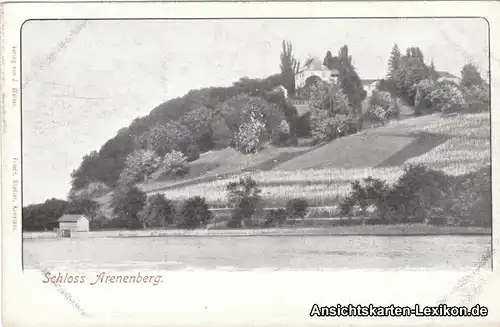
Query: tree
point(85, 173)
point(422, 95)
point(330, 61)
point(127, 202)
point(158, 211)
point(471, 76)
point(415, 52)
point(91, 190)
point(88, 207)
point(297, 208)
point(174, 164)
point(350, 83)
point(312, 81)
point(244, 196)
point(196, 213)
point(251, 134)
point(239, 109)
point(433, 72)
point(164, 138)
point(199, 122)
point(394, 59)
point(331, 113)
point(447, 98)
point(138, 166)
point(289, 67)
point(43, 216)
point(412, 70)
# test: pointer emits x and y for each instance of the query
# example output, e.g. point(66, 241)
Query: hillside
point(456, 144)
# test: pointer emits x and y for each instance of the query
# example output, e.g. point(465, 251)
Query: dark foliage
point(244, 196)
point(297, 208)
point(106, 164)
point(301, 126)
point(127, 203)
point(195, 213)
point(158, 212)
point(43, 216)
point(275, 217)
point(422, 194)
point(88, 207)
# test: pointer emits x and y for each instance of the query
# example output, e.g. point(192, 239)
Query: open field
point(464, 147)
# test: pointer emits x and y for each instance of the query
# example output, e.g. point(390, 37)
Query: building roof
point(71, 218)
point(446, 75)
point(366, 82)
point(314, 63)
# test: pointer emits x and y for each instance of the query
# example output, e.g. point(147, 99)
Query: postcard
point(250, 164)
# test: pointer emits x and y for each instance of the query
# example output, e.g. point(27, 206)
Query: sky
point(98, 79)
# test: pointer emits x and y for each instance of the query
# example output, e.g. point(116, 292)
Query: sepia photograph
point(312, 144)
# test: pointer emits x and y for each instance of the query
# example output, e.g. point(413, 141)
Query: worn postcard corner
point(258, 163)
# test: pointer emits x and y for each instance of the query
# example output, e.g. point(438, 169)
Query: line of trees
point(418, 84)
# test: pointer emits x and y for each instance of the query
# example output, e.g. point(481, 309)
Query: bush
point(410, 199)
point(283, 136)
point(447, 98)
point(301, 126)
point(244, 196)
point(423, 91)
point(275, 217)
point(468, 201)
point(174, 164)
point(158, 211)
point(196, 213)
point(297, 208)
point(477, 97)
point(250, 135)
point(423, 194)
point(127, 202)
point(331, 113)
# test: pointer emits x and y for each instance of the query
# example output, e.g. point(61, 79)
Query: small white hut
point(74, 223)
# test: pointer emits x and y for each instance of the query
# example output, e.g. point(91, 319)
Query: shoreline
point(373, 230)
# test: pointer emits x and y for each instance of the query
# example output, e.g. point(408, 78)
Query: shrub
point(244, 196)
point(395, 108)
point(297, 208)
point(158, 211)
point(447, 98)
point(275, 217)
point(377, 113)
point(477, 97)
point(127, 202)
point(331, 113)
point(423, 91)
point(301, 126)
point(411, 198)
point(283, 136)
point(468, 201)
point(196, 213)
point(250, 135)
point(175, 164)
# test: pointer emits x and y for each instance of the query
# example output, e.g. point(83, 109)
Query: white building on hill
point(314, 67)
point(369, 85)
point(448, 77)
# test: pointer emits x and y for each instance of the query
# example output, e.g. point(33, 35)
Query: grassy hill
point(456, 144)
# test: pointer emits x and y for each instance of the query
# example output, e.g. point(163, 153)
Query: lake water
point(260, 253)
